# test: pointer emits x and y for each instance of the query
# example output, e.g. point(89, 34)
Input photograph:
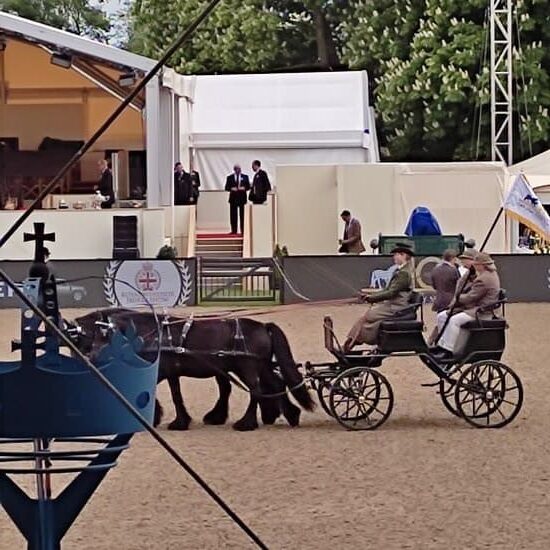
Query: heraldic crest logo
point(162, 283)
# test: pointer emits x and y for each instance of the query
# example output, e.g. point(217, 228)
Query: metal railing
point(237, 280)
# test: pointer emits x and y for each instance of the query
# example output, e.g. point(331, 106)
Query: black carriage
point(474, 384)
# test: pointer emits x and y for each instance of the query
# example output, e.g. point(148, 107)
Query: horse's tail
point(291, 375)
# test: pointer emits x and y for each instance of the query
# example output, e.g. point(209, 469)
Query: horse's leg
point(183, 419)
point(158, 413)
point(247, 371)
point(218, 415)
point(290, 411)
point(270, 407)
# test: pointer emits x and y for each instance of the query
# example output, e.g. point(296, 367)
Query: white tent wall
point(465, 197)
point(537, 165)
point(313, 118)
point(160, 125)
point(215, 164)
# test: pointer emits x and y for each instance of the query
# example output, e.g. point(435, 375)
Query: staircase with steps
point(218, 245)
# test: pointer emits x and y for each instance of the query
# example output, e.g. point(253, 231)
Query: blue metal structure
point(56, 417)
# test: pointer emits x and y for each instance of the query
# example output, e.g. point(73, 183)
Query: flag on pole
point(523, 205)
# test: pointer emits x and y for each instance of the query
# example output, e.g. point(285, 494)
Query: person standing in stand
point(105, 185)
point(260, 184)
point(351, 243)
point(195, 184)
point(183, 189)
point(238, 185)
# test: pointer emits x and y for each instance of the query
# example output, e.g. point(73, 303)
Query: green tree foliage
point(242, 36)
point(310, 31)
point(238, 36)
point(78, 16)
point(432, 85)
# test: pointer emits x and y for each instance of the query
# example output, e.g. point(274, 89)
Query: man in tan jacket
point(351, 243)
point(484, 291)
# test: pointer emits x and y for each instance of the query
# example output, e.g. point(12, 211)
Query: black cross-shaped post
point(40, 238)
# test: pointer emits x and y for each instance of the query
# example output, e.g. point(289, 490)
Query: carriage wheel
point(447, 393)
point(488, 394)
point(323, 392)
point(361, 399)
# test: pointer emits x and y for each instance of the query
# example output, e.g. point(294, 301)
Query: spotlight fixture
point(63, 60)
point(127, 80)
point(3, 44)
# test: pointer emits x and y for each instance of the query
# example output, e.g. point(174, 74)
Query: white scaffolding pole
point(501, 81)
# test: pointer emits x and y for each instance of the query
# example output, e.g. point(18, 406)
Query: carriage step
point(430, 385)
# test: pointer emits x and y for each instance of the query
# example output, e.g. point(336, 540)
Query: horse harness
point(167, 344)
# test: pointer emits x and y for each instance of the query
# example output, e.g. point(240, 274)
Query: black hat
point(403, 248)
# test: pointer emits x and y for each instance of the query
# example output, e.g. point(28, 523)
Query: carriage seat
point(408, 313)
point(493, 324)
point(402, 324)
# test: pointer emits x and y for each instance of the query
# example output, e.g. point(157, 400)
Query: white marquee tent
point(281, 119)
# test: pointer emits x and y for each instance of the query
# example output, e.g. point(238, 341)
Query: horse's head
point(91, 332)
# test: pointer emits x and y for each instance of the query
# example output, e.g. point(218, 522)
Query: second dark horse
point(209, 348)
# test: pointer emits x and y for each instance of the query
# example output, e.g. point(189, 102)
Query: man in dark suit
point(183, 189)
point(238, 185)
point(105, 185)
point(195, 184)
point(444, 279)
point(260, 184)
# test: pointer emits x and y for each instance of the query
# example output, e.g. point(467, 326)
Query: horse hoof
point(269, 414)
point(293, 417)
point(179, 424)
point(269, 418)
point(245, 426)
point(214, 418)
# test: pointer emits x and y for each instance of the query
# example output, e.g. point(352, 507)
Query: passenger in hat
point(463, 284)
point(484, 291)
point(467, 261)
point(384, 303)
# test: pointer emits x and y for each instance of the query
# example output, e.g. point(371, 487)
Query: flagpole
point(492, 228)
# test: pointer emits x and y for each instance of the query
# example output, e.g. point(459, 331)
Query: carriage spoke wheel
point(323, 392)
point(488, 394)
point(447, 392)
point(361, 399)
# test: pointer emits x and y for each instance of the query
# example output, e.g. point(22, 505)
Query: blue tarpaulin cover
point(422, 222)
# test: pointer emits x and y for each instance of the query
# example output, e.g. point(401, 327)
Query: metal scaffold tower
point(501, 81)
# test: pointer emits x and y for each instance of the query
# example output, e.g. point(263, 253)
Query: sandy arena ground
point(424, 480)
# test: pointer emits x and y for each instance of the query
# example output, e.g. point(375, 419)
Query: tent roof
point(31, 31)
point(539, 164)
point(281, 110)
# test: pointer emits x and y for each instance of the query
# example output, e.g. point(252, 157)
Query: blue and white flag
point(523, 205)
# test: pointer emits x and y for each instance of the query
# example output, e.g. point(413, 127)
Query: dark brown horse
point(209, 348)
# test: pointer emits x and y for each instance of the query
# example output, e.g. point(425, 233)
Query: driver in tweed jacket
point(384, 303)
